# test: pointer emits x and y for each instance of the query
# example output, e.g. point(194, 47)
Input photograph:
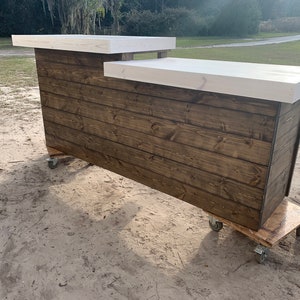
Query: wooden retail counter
point(222, 136)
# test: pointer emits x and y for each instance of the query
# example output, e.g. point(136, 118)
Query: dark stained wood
point(231, 156)
point(283, 221)
point(293, 133)
point(286, 107)
point(212, 140)
point(62, 65)
point(72, 58)
point(285, 143)
point(249, 174)
point(234, 211)
point(288, 121)
point(213, 183)
point(249, 125)
point(285, 148)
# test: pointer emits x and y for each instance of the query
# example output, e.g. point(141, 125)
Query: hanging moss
point(75, 16)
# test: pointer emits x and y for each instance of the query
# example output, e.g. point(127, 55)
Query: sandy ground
point(81, 232)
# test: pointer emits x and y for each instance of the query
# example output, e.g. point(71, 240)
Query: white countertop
point(105, 44)
point(262, 81)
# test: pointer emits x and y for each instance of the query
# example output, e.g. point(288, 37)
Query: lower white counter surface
point(262, 81)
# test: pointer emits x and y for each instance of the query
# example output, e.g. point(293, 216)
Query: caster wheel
point(214, 224)
point(298, 232)
point(261, 254)
point(52, 163)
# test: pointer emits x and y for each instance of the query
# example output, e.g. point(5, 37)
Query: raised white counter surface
point(261, 81)
point(104, 44)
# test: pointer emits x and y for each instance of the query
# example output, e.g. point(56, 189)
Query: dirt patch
point(81, 232)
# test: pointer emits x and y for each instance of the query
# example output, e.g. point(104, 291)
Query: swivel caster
point(214, 224)
point(52, 162)
point(261, 253)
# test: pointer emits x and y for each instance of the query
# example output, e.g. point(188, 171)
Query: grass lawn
point(184, 42)
point(18, 72)
point(5, 43)
point(283, 54)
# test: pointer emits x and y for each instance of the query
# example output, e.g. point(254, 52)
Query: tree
point(267, 8)
point(238, 18)
point(75, 16)
point(169, 22)
point(293, 9)
point(23, 17)
point(115, 8)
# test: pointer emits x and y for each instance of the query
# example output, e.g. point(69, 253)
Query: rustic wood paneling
point(228, 121)
point(62, 67)
point(72, 58)
point(285, 148)
point(212, 140)
point(233, 211)
point(229, 155)
point(213, 183)
point(241, 171)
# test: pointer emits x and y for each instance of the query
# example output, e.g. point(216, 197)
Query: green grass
point(5, 42)
point(18, 72)
point(185, 42)
point(283, 54)
point(266, 35)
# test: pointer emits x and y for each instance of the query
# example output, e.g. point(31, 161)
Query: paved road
point(270, 41)
point(16, 52)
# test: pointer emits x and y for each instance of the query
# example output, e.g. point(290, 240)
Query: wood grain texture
point(108, 44)
point(222, 153)
point(213, 183)
point(285, 148)
point(72, 58)
point(236, 146)
point(283, 221)
point(211, 203)
point(245, 173)
point(254, 126)
point(63, 62)
point(261, 81)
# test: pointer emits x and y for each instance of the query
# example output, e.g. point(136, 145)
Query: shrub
point(169, 22)
point(289, 24)
point(238, 18)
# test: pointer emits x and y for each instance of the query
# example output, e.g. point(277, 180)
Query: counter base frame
point(231, 156)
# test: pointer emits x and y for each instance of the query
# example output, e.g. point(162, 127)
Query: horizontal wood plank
point(250, 125)
point(212, 183)
point(215, 145)
point(212, 140)
point(228, 121)
point(247, 173)
point(69, 59)
point(86, 74)
point(210, 203)
point(286, 143)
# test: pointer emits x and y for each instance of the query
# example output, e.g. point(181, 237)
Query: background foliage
point(148, 17)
